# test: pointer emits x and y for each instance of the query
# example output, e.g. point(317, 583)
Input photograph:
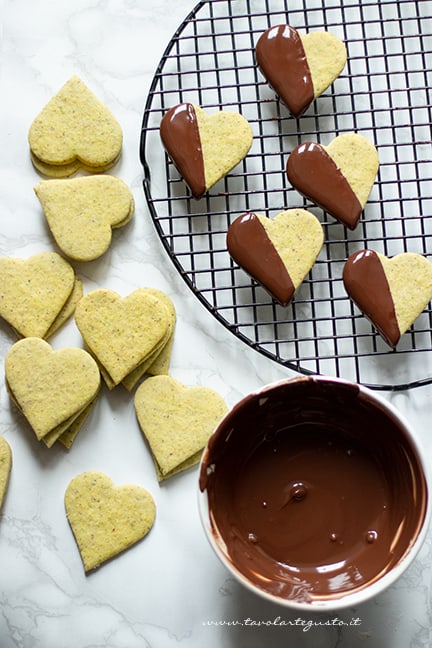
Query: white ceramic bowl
point(313, 492)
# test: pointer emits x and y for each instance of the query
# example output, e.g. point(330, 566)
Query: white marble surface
point(169, 590)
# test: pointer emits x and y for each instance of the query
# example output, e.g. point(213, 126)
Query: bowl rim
point(369, 591)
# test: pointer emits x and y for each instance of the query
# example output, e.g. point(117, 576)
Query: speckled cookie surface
point(106, 519)
point(277, 252)
point(5, 468)
point(81, 212)
point(299, 67)
point(204, 147)
point(123, 332)
point(158, 363)
point(74, 129)
point(63, 384)
point(38, 294)
point(177, 421)
point(391, 292)
point(337, 177)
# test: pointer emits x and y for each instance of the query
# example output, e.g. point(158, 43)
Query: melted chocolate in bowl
point(314, 489)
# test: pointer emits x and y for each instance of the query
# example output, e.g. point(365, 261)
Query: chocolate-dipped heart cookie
point(338, 177)
point(299, 67)
point(204, 148)
point(278, 253)
point(391, 292)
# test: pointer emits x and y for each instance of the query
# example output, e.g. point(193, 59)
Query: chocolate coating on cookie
point(180, 136)
point(366, 283)
point(311, 170)
point(282, 60)
point(250, 246)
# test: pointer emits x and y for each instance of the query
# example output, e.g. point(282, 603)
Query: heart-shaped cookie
point(338, 177)
point(278, 253)
point(299, 67)
point(106, 519)
point(5, 468)
point(177, 421)
point(391, 292)
point(204, 148)
point(50, 387)
point(74, 130)
point(122, 333)
point(35, 292)
point(81, 212)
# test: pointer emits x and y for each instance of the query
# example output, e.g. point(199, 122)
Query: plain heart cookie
point(123, 333)
point(38, 294)
point(177, 421)
point(278, 253)
point(338, 177)
point(75, 130)
point(82, 212)
point(299, 67)
point(204, 148)
point(106, 519)
point(5, 468)
point(390, 292)
point(52, 388)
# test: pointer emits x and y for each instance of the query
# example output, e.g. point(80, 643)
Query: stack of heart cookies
point(54, 389)
point(74, 131)
point(128, 336)
point(38, 294)
point(82, 212)
point(176, 421)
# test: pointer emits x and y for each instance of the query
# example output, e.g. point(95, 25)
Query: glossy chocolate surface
point(312, 171)
point(313, 490)
point(281, 58)
point(180, 136)
point(366, 283)
point(250, 246)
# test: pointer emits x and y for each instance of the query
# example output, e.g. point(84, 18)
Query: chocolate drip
point(312, 171)
point(281, 58)
point(366, 283)
point(250, 246)
point(180, 136)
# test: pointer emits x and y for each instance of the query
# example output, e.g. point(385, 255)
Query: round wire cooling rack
point(384, 94)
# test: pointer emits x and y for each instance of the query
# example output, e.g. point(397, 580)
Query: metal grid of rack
point(384, 94)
